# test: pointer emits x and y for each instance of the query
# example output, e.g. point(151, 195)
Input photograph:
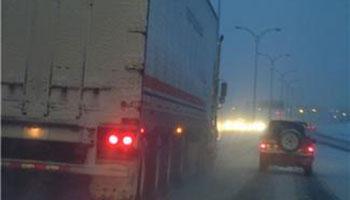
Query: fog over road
point(236, 176)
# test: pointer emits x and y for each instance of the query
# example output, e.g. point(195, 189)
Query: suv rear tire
point(287, 138)
point(263, 164)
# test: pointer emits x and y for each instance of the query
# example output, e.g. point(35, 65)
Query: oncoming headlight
point(242, 126)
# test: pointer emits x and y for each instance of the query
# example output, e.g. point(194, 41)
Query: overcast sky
point(314, 32)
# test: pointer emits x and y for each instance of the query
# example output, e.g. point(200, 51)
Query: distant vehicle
point(285, 143)
point(309, 127)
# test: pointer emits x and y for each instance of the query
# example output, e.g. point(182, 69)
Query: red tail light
point(127, 140)
point(113, 139)
point(263, 146)
point(115, 143)
point(142, 130)
point(310, 149)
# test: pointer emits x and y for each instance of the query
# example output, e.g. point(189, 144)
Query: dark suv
point(286, 143)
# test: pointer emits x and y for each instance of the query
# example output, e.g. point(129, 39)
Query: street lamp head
point(238, 27)
point(301, 111)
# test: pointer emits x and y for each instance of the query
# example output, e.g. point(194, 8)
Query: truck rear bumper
point(43, 185)
point(67, 181)
point(115, 170)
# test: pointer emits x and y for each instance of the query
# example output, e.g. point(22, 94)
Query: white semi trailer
point(106, 99)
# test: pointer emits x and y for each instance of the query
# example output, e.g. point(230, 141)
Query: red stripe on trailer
point(64, 168)
point(160, 86)
point(12, 165)
point(40, 166)
point(35, 166)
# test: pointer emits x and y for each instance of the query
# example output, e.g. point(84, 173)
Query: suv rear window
point(277, 126)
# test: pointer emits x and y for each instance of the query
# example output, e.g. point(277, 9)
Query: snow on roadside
point(332, 167)
point(340, 130)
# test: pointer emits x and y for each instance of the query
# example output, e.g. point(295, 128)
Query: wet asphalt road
point(236, 176)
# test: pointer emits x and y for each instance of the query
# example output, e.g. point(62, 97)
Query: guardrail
point(332, 141)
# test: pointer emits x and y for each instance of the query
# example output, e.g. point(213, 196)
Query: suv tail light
point(263, 145)
point(310, 149)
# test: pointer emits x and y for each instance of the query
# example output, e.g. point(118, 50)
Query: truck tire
point(290, 140)
point(179, 175)
point(140, 180)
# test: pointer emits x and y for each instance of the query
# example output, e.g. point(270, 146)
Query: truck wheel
point(263, 164)
point(179, 174)
point(308, 170)
point(140, 180)
point(147, 172)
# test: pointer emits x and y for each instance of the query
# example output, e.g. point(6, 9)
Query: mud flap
point(112, 188)
point(43, 185)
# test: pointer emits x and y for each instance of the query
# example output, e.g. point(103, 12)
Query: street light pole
point(283, 75)
point(289, 96)
point(273, 61)
point(257, 39)
point(287, 99)
point(284, 81)
point(272, 72)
